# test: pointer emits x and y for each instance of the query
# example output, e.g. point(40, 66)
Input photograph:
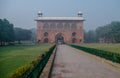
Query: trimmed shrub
point(36, 67)
point(19, 73)
point(115, 57)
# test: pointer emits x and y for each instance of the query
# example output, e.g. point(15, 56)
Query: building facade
point(60, 29)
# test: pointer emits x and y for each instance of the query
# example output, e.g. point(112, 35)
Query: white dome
point(80, 13)
point(39, 12)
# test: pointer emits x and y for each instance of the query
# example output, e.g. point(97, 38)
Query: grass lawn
point(13, 57)
point(106, 47)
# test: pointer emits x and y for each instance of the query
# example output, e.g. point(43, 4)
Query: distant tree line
point(9, 34)
point(109, 33)
point(22, 34)
point(6, 32)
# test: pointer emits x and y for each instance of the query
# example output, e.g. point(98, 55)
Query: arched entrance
point(46, 40)
point(59, 38)
point(74, 40)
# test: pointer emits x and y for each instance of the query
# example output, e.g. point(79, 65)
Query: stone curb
point(48, 68)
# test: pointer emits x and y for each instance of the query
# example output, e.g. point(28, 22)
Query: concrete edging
point(46, 73)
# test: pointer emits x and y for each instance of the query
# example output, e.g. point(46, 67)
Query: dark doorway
point(74, 40)
point(46, 40)
point(38, 41)
point(45, 34)
point(59, 39)
point(74, 34)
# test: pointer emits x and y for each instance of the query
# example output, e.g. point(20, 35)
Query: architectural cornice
point(60, 18)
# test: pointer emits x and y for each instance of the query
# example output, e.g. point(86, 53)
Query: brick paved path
point(71, 63)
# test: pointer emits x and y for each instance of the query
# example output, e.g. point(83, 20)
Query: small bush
point(47, 51)
point(20, 72)
point(37, 64)
point(34, 62)
point(117, 57)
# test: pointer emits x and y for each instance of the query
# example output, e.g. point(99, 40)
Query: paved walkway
point(71, 63)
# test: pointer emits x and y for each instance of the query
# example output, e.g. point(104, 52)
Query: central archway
point(59, 38)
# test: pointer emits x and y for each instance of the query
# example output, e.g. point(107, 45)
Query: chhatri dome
point(40, 13)
point(80, 14)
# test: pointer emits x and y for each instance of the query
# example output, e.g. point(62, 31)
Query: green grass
point(13, 57)
point(106, 47)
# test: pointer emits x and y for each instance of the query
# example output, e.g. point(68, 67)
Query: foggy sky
point(96, 12)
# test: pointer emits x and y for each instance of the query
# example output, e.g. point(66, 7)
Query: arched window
point(81, 27)
point(52, 26)
point(74, 34)
point(38, 41)
point(80, 40)
point(73, 26)
point(46, 26)
point(74, 40)
point(66, 26)
point(46, 40)
point(60, 26)
point(45, 34)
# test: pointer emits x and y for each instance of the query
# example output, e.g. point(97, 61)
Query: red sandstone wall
point(66, 33)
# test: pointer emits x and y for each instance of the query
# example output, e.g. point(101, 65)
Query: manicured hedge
point(20, 72)
point(115, 57)
point(35, 68)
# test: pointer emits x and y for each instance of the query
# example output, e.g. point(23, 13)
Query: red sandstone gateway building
point(60, 29)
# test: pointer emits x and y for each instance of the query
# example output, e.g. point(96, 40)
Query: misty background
point(96, 12)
